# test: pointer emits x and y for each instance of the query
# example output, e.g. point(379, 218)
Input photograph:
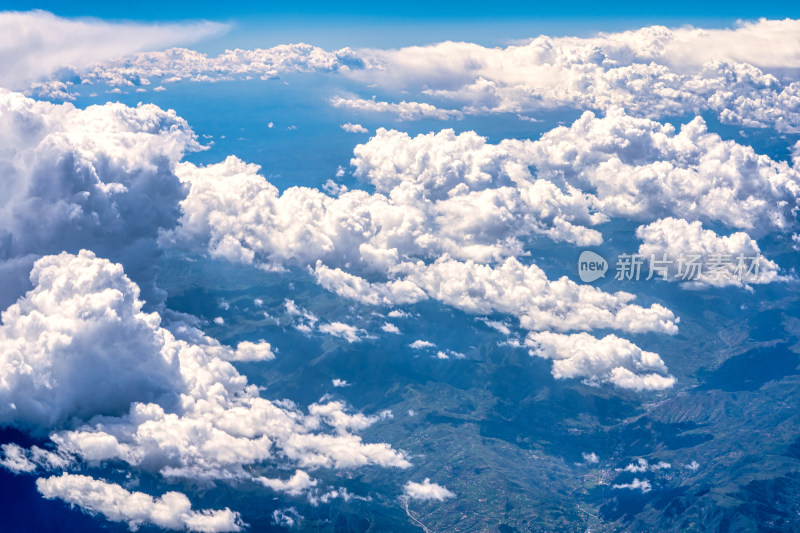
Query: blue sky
point(383, 24)
point(339, 31)
point(413, 9)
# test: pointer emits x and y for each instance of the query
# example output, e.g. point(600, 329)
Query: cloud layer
point(652, 72)
point(453, 218)
point(232, 212)
point(746, 74)
point(403, 110)
point(37, 44)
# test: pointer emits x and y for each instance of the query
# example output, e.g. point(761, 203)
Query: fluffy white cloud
point(342, 330)
point(641, 169)
point(474, 199)
point(687, 48)
point(286, 517)
point(308, 323)
point(436, 164)
point(177, 64)
point(242, 217)
point(442, 193)
point(590, 458)
point(403, 110)
point(252, 351)
point(496, 325)
point(395, 292)
point(333, 413)
point(747, 74)
point(15, 459)
point(297, 484)
point(749, 42)
point(426, 491)
point(720, 260)
point(349, 127)
point(420, 344)
point(61, 343)
point(78, 345)
point(484, 195)
point(642, 465)
point(235, 213)
point(98, 178)
point(757, 100)
point(654, 71)
point(539, 303)
point(637, 484)
point(172, 511)
point(18, 459)
point(238, 215)
point(390, 328)
point(608, 360)
point(595, 169)
point(36, 43)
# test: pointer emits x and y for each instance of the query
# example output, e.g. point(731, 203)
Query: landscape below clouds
point(299, 288)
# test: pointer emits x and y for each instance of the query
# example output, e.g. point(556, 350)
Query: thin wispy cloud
point(36, 44)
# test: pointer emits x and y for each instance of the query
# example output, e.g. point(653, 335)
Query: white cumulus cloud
point(420, 344)
point(345, 331)
point(297, 484)
point(98, 178)
point(426, 491)
point(177, 64)
point(590, 458)
point(402, 110)
point(349, 127)
point(608, 360)
point(653, 71)
point(637, 484)
point(61, 341)
point(253, 351)
point(171, 511)
point(538, 303)
point(675, 245)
